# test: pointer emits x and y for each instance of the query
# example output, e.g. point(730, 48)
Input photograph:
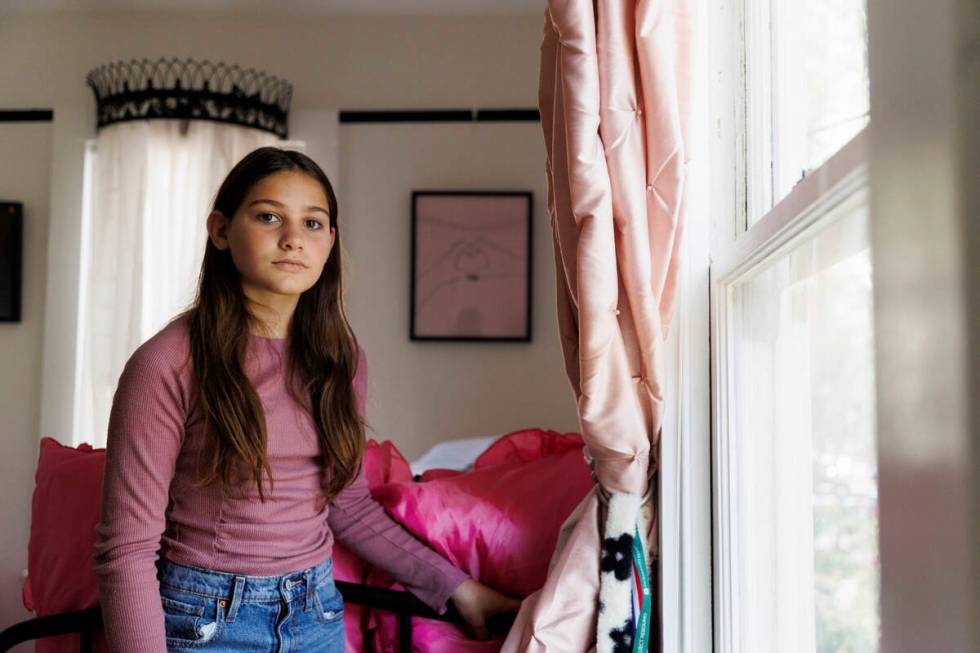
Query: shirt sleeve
point(361, 524)
point(145, 434)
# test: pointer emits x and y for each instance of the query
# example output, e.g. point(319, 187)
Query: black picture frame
point(510, 199)
point(11, 260)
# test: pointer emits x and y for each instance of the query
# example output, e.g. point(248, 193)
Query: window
point(147, 189)
point(794, 452)
point(806, 91)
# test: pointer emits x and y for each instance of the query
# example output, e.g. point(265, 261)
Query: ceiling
point(289, 7)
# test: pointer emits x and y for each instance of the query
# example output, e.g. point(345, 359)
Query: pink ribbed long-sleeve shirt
point(151, 507)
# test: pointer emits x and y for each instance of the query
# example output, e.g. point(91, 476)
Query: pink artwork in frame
point(471, 265)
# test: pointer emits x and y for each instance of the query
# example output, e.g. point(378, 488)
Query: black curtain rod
point(26, 115)
point(413, 115)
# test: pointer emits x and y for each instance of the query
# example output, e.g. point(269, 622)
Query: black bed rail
point(88, 622)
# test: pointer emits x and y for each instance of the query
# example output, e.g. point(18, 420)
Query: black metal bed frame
point(88, 621)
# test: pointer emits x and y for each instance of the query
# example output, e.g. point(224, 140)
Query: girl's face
point(280, 238)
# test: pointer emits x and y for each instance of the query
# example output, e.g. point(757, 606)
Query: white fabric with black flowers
point(616, 629)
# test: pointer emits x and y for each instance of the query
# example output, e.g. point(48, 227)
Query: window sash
point(769, 101)
point(793, 220)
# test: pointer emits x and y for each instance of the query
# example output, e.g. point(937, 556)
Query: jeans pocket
point(189, 621)
point(328, 603)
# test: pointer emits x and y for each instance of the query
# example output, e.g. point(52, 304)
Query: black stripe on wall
point(421, 115)
point(509, 115)
point(26, 115)
point(442, 115)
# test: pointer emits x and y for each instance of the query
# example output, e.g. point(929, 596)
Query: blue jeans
point(222, 612)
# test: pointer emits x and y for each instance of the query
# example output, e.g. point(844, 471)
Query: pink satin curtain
point(614, 98)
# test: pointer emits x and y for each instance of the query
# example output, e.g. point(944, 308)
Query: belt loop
point(310, 588)
point(236, 598)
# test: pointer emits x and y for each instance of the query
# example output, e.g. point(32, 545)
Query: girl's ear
point(218, 229)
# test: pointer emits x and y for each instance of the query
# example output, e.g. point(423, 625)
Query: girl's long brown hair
point(322, 356)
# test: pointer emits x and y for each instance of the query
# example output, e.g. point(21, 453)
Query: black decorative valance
point(186, 89)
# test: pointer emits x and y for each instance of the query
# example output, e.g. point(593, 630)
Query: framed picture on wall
point(11, 256)
point(471, 265)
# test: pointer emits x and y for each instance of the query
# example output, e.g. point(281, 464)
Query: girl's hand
point(475, 602)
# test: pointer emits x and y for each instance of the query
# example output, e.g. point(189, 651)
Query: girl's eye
point(311, 223)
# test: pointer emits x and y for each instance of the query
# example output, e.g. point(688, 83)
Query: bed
point(501, 539)
point(87, 623)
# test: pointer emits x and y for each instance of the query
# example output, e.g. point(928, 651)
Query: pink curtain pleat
point(614, 95)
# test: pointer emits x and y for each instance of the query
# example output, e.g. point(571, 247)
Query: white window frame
point(741, 143)
point(794, 219)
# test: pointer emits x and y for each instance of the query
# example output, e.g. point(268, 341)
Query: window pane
point(805, 527)
point(819, 91)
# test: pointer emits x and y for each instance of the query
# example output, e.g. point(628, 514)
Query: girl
point(235, 444)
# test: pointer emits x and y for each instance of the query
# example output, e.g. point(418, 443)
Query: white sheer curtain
point(804, 478)
point(151, 183)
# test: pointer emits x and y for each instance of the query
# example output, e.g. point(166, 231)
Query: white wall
point(419, 392)
point(466, 389)
point(25, 160)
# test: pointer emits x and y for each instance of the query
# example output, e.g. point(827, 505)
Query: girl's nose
point(292, 237)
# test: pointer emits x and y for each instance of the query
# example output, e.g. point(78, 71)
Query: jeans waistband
point(219, 584)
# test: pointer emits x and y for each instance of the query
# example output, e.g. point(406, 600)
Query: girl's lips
point(286, 265)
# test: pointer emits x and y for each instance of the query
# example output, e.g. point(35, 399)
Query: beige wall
point(25, 160)
point(925, 229)
point(424, 392)
point(420, 393)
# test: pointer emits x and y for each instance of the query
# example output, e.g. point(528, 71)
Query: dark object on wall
point(471, 265)
point(11, 259)
point(145, 89)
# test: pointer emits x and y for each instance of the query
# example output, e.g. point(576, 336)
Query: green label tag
point(641, 641)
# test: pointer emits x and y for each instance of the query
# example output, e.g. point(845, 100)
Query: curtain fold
point(614, 91)
point(151, 188)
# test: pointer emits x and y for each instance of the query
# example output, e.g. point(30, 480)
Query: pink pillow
point(428, 635)
point(384, 463)
point(483, 522)
point(438, 472)
point(64, 514)
point(527, 445)
point(498, 523)
point(518, 446)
